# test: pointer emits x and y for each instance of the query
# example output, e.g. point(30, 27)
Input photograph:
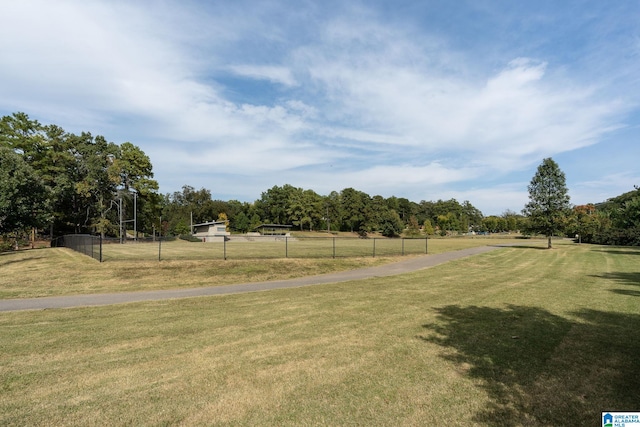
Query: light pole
point(120, 214)
point(135, 215)
point(328, 220)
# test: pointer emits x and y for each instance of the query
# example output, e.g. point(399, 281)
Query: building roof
point(209, 223)
point(273, 226)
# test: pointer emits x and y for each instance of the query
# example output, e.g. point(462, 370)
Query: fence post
point(374, 247)
point(101, 248)
point(286, 247)
point(159, 247)
point(224, 248)
point(402, 246)
point(334, 248)
point(426, 245)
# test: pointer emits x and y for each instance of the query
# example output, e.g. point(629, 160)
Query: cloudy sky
point(419, 99)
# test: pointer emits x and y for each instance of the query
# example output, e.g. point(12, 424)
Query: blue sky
point(419, 99)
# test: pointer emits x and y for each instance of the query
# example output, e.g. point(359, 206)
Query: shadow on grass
point(519, 246)
point(626, 292)
point(7, 259)
point(625, 278)
point(625, 251)
point(538, 368)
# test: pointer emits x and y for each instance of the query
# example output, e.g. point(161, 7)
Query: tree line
point(613, 222)
point(347, 210)
point(68, 183)
point(60, 182)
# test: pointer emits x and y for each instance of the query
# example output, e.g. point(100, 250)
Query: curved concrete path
point(409, 265)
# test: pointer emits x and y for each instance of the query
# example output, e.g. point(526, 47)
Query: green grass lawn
point(517, 336)
point(309, 245)
point(135, 267)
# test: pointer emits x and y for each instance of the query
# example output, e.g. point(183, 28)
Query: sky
point(424, 100)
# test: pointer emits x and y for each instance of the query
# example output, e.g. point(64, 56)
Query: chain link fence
point(83, 243)
point(237, 247)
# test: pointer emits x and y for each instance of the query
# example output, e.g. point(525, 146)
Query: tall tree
point(355, 207)
point(275, 203)
point(391, 224)
point(332, 211)
point(22, 194)
point(548, 200)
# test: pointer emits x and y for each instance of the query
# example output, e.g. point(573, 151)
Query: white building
point(214, 231)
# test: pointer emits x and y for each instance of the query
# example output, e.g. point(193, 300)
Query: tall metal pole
point(328, 222)
point(120, 213)
point(334, 247)
point(135, 215)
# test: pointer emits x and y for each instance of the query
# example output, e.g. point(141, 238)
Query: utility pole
point(135, 215)
point(328, 222)
point(120, 213)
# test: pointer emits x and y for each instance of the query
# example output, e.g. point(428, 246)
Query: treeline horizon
point(61, 183)
point(347, 210)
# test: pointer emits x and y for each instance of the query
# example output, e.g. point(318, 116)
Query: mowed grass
point(517, 336)
point(132, 267)
point(294, 247)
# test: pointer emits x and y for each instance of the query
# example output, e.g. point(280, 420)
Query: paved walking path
point(409, 265)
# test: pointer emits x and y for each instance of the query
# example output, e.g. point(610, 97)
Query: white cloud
point(360, 102)
point(493, 200)
point(271, 73)
point(607, 186)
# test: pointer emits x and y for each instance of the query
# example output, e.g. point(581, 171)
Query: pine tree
point(548, 200)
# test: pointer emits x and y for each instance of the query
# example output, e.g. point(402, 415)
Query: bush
point(190, 238)
point(616, 237)
point(6, 245)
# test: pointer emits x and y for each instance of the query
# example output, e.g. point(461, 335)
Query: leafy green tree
point(23, 135)
point(585, 222)
point(471, 217)
point(81, 174)
point(275, 204)
point(182, 205)
point(406, 208)
point(94, 186)
point(377, 213)
point(22, 194)
point(512, 220)
point(131, 170)
point(490, 224)
point(427, 227)
point(447, 223)
point(616, 220)
point(355, 206)
point(332, 211)
point(548, 200)
point(303, 207)
point(391, 224)
point(256, 221)
point(241, 223)
point(233, 208)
